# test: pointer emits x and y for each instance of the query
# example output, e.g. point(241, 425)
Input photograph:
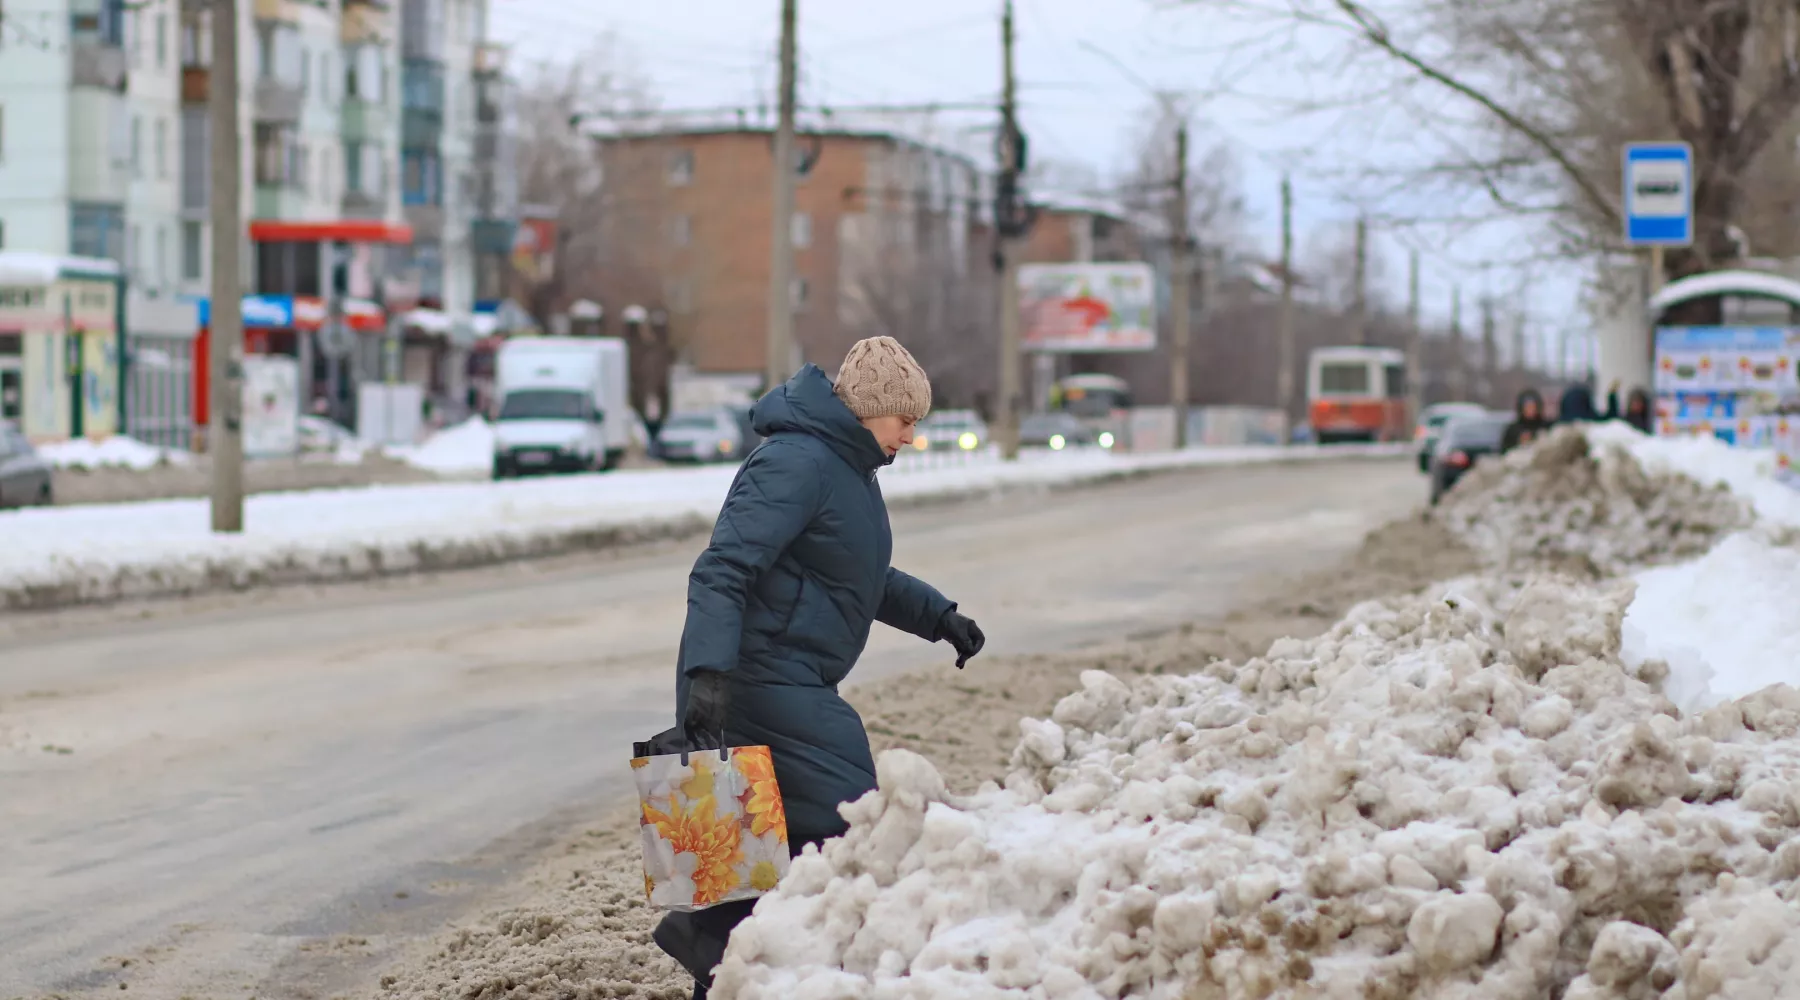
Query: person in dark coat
point(781, 603)
point(1576, 405)
point(1638, 412)
point(1529, 422)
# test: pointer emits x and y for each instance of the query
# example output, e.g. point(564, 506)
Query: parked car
point(24, 476)
point(703, 436)
point(1431, 424)
point(318, 434)
point(950, 430)
point(1464, 441)
point(1055, 431)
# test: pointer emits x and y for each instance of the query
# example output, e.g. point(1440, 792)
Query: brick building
point(884, 242)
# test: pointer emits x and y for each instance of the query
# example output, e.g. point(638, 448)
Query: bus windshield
point(1344, 378)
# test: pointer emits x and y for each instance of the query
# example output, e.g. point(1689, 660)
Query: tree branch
point(1378, 35)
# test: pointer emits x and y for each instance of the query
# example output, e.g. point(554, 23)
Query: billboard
point(1087, 307)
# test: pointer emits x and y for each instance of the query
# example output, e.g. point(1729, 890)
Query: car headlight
point(1056, 442)
point(921, 442)
point(968, 441)
point(1106, 439)
point(724, 447)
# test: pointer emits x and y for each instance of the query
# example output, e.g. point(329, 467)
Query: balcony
point(279, 201)
point(278, 11)
point(194, 87)
point(365, 23)
point(490, 59)
point(427, 222)
point(94, 63)
point(278, 103)
point(493, 235)
point(420, 127)
point(360, 205)
point(365, 121)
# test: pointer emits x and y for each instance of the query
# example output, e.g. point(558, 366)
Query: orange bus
point(1357, 394)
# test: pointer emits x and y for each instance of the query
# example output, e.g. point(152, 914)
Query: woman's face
point(1530, 408)
point(892, 433)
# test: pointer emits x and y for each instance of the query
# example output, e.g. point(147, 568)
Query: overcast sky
point(1253, 88)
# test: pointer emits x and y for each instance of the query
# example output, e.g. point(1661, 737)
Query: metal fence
point(159, 406)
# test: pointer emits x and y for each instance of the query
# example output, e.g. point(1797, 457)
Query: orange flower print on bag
point(711, 839)
point(763, 801)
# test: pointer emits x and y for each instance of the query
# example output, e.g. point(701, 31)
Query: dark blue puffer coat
point(784, 597)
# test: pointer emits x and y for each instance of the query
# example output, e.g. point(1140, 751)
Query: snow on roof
point(29, 267)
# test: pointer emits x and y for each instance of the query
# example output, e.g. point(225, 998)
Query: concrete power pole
point(1181, 280)
point(1415, 341)
point(1361, 306)
point(225, 327)
point(1007, 209)
point(1284, 375)
point(780, 361)
point(1459, 368)
point(1490, 350)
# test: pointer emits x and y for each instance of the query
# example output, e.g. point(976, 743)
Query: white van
point(562, 405)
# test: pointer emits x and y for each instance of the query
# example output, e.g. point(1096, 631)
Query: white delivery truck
point(562, 405)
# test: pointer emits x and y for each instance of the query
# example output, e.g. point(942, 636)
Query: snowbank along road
point(226, 783)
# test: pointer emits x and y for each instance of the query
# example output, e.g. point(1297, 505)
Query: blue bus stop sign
point(1659, 194)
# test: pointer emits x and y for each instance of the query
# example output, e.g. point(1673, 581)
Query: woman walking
point(781, 603)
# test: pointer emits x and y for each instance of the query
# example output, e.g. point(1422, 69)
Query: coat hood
point(1532, 396)
point(806, 404)
point(1577, 404)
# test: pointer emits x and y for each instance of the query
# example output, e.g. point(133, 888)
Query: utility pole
point(1010, 222)
point(1284, 375)
point(1415, 341)
point(1490, 349)
point(780, 360)
point(1362, 281)
point(1459, 369)
point(1181, 276)
point(225, 326)
point(1520, 362)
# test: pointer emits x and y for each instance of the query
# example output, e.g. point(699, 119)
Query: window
point(325, 177)
point(192, 249)
point(162, 255)
point(1396, 381)
point(679, 294)
point(162, 149)
point(134, 35)
point(134, 252)
point(363, 74)
point(799, 293)
point(305, 70)
point(800, 230)
point(681, 168)
point(420, 177)
point(275, 154)
point(681, 230)
point(301, 170)
point(162, 41)
point(325, 76)
point(137, 143)
point(1344, 377)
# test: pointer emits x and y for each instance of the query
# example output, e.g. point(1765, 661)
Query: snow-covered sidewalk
point(60, 556)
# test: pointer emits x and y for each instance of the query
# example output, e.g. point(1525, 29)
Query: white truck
point(563, 405)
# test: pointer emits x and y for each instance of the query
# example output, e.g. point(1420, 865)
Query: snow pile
point(1750, 473)
point(465, 448)
point(1441, 797)
point(1588, 506)
point(117, 452)
point(1726, 623)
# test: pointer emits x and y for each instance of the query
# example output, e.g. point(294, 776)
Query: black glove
point(960, 630)
point(708, 703)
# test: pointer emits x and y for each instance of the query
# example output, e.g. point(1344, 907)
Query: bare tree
point(1216, 212)
point(559, 166)
point(1546, 91)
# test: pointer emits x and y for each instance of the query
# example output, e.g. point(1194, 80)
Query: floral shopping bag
point(712, 826)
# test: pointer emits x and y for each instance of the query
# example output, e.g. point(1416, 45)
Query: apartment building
point(881, 233)
point(351, 112)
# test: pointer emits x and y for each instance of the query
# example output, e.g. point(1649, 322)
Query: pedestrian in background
point(1638, 411)
point(1576, 405)
point(1529, 421)
point(781, 603)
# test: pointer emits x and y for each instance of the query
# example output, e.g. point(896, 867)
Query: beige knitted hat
point(880, 379)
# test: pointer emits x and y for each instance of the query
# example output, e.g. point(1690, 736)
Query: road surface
point(225, 784)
